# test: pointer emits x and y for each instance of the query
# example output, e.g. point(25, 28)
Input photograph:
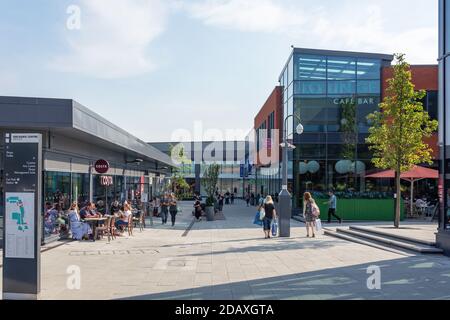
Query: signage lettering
point(101, 166)
point(360, 101)
point(106, 181)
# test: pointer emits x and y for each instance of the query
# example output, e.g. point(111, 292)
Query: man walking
point(332, 206)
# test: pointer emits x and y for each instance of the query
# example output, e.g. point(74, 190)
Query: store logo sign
point(359, 101)
point(106, 181)
point(101, 166)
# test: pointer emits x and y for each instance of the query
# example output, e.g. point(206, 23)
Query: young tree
point(179, 184)
point(398, 131)
point(210, 181)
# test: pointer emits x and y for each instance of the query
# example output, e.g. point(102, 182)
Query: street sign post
point(22, 219)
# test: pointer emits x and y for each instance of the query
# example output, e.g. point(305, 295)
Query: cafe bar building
point(85, 157)
point(331, 93)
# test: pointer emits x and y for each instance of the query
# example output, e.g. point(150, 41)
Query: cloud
point(114, 38)
point(340, 25)
point(243, 15)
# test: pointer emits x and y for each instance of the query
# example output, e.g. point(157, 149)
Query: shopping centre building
point(331, 93)
point(231, 156)
point(74, 139)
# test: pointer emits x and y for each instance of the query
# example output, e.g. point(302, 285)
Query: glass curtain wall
point(333, 97)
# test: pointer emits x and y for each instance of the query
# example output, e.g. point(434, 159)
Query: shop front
point(74, 140)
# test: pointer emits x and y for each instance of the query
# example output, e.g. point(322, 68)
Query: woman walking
point(173, 208)
point(309, 208)
point(271, 214)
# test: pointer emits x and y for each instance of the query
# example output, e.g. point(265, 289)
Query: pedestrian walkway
point(230, 259)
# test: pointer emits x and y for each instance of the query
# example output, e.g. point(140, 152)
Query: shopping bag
point(257, 221)
point(262, 214)
point(275, 228)
point(318, 225)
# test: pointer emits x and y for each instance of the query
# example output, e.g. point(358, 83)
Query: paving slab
point(230, 259)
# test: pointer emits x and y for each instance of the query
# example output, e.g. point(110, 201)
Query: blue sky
point(154, 66)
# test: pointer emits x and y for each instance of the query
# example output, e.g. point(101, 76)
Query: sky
point(154, 67)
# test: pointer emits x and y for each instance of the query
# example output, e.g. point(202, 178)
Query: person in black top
point(198, 212)
point(115, 207)
point(173, 208)
point(232, 198)
point(271, 214)
point(220, 201)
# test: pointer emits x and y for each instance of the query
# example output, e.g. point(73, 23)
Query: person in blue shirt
point(332, 206)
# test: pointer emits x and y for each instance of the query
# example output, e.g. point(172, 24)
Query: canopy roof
point(415, 173)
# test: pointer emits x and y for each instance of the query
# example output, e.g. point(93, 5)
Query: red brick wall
point(274, 104)
point(424, 78)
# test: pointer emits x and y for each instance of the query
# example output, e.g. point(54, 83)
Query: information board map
point(19, 225)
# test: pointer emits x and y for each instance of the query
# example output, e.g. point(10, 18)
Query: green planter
point(362, 209)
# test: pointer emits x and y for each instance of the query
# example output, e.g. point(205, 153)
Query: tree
point(209, 181)
point(397, 135)
point(179, 184)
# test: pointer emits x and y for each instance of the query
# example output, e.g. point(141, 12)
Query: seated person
point(79, 229)
point(88, 211)
point(115, 207)
point(198, 211)
point(124, 215)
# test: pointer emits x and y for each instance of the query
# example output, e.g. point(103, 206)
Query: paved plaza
point(229, 259)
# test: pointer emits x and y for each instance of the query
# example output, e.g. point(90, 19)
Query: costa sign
point(106, 181)
point(101, 166)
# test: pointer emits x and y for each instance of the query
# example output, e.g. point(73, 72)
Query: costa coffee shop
point(85, 157)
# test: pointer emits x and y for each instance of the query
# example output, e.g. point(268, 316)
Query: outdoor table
point(92, 221)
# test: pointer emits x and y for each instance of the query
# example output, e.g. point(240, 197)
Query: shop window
point(341, 68)
point(368, 69)
point(342, 87)
point(369, 86)
point(310, 87)
point(310, 67)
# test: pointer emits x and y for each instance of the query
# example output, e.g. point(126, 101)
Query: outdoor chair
point(130, 225)
point(112, 228)
point(105, 229)
point(140, 221)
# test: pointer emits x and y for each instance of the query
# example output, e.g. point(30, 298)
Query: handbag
point(275, 228)
point(257, 221)
point(315, 210)
point(262, 213)
point(318, 225)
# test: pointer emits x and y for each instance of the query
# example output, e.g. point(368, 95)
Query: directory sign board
point(22, 220)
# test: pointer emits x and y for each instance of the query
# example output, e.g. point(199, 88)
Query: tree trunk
point(398, 199)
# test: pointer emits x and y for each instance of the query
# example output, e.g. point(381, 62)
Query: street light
point(285, 199)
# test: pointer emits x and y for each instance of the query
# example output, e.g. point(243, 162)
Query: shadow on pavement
point(401, 279)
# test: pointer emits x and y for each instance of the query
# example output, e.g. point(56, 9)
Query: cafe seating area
point(100, 224)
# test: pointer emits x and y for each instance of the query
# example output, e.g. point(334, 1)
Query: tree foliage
point(398, 131)
point(210, 181)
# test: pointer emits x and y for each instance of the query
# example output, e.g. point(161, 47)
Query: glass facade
point(332, 95)
point(64, 187)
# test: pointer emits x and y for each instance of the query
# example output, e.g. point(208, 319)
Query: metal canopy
point(70, 118)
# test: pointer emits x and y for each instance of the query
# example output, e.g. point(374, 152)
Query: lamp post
point(285, 199)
